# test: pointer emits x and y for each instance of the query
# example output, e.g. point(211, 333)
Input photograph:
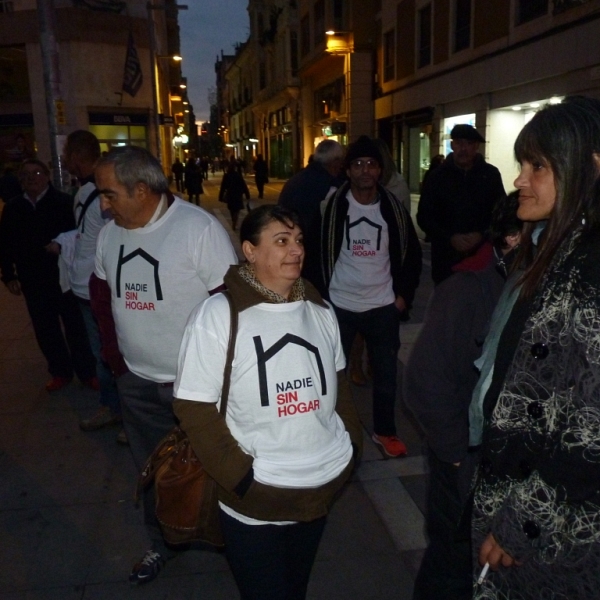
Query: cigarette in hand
point(483, 573)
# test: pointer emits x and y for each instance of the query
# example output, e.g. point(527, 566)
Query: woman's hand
point(491, 552)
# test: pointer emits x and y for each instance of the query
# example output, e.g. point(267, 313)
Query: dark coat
point(261, 171)
point(193, 178)
point(456, 201)
point(233, 188)
point(304, 193)
point(539, 486)
point(439, 377)
point(24, 232)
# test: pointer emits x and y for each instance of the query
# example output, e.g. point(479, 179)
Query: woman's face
point(537, 192)
point(277, 258)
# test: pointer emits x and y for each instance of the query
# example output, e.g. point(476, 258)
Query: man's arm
point(101, 307)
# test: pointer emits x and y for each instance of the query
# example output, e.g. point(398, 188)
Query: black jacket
point(24, 232)
point(456, 201)
point(439, 377)
point(304, 193)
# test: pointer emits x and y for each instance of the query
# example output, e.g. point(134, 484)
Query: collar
point(161, 209)
point(34, 201)
point(245, 296)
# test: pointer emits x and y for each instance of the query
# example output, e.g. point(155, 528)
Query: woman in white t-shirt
point(291, 433)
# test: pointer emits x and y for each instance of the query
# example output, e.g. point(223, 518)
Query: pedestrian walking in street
point(287, 446)
point(233, 189)
point(371, 268)
point(193, 181)
point(261, 174)
point(177, 169)
point(155, 261)
point(535, 514)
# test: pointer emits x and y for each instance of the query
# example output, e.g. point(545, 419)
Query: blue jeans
point(109, 395)
point(381, 329)
point(271, 562)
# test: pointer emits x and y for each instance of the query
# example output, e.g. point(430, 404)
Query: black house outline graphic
point(349, 226)
point(264, 356)
point(147, 258)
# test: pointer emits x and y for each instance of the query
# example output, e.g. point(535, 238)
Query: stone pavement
point(69, 528)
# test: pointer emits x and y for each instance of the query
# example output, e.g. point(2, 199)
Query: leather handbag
point(187, 506)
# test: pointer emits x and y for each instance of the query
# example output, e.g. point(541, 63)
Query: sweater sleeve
point(346, 409)
point(214, 445)
point(439, 376)
point(428, 212)
point(101, 307)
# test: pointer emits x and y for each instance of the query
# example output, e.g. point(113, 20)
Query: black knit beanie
point(361, 148)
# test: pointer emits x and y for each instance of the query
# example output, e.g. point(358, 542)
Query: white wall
point(503, 128)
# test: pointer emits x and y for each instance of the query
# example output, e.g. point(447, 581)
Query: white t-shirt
point(361, 277)
point(157, 275)
point(281, 406)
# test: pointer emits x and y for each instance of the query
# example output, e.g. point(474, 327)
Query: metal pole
point(49, 48)
point(153, 66)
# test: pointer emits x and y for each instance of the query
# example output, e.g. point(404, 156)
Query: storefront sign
point(97, 118)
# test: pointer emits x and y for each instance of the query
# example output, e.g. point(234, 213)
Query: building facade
point(111, 73)
point(490, 63)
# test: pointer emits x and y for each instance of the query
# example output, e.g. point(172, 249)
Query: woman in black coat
point(536, 514)
point(233, 187)
point(193, 181)
point(261, 174)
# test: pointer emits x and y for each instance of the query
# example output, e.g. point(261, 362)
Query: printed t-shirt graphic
point(281, 406)
point(361, 278)
point(157, 274)
point(140, 280)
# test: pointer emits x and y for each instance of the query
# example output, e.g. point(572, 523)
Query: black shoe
point(147, 569)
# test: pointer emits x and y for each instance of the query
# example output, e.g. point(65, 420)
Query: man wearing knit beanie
point(371, 261)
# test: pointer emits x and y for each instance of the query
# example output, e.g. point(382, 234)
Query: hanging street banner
point(132, 78)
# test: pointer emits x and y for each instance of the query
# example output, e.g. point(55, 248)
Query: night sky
point(207, 27)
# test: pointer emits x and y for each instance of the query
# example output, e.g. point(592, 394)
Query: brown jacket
point(231, 467)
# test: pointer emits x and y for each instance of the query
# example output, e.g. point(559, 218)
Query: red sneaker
point(57, 383)
point(391, 445)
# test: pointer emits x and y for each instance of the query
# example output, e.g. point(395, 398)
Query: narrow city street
point(68, 525)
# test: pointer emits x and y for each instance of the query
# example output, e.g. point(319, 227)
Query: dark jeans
point(271, 562)
point(179, 183)
point(381, 329)
point(109, 395)
point(48, 307)
point(147, 409)
point(446, 569)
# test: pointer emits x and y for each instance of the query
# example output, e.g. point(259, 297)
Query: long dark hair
point(564, 137)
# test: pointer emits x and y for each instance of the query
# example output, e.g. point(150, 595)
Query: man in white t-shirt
point(78, 249)
point(155, 261)
point(371, 266)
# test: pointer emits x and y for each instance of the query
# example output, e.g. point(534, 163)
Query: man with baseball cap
point(371, 261)
point(456, 203)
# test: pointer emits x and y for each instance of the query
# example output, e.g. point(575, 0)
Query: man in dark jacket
point(304, 193)
point(457, 200)
point(371, 268)
point(29, 223)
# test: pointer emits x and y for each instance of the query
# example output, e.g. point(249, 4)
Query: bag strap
point(159, 455)
point(233, 329)
point(93, 195)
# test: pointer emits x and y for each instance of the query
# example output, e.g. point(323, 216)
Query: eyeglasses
point(359, 164)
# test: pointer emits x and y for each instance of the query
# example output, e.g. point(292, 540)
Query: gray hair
point(134, 165)
point(328, 151)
